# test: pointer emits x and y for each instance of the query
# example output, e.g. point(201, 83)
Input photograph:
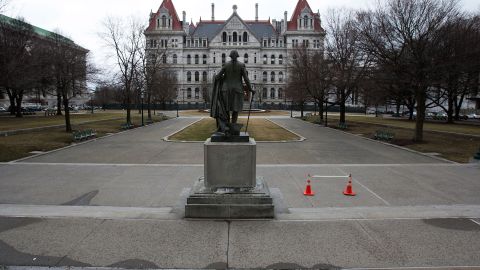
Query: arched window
point(280, 93)
point(265, 59)
point(280, 59)
point(280, 76)
point(265, 76)
point(164, 21)
point(174, 58)
point(204, 59)
point(204, 76)
point(272, 59)
point(189, 59)
point(272, 76)
point(305, 21)
point(245, 58)
point(234, 36)
point(223, 58)
point(264, 93)
point(164, 59)
point(245, 37)
point(197, 76)
point(272, 93)
point(224, 37)
point(197, 93)
point(189, 76)
point(196, 59)
point(189, 93)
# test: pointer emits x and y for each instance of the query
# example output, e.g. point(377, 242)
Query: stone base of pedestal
point(230, 203)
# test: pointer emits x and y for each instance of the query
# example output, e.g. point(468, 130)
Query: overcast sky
point(81, 19)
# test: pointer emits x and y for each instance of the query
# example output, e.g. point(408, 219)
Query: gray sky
point(81, 19)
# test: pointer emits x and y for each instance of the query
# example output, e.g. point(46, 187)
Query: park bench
point(477, 155)
point(84, 135)
point(49, 112)
point(383, 135)
point(342, 125)
point(127, 126)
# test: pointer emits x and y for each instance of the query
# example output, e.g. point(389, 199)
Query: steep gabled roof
point(168, 5)
point(301, 5)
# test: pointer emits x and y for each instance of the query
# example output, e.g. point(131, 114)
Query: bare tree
point(69, 71)
point(401, 35)
point(154, 60)
point(17, 61)
point(457, 65)
point(164, 88)
point(349, 62)
point(3, 5)
point(124, 38)
point(311, 70)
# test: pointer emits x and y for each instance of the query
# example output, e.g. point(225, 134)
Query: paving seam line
point(365, 187)
point(289, 130)
point(397, 146)
point(258, 165)
point(81, 143)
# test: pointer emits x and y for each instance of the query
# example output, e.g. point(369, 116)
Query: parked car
point(473, 116)
point(2, 109)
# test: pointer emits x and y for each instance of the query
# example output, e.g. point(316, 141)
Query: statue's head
point(234, 55)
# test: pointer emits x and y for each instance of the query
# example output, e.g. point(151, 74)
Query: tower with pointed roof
point(196, 52)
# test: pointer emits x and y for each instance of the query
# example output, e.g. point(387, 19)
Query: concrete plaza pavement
point(118, 201)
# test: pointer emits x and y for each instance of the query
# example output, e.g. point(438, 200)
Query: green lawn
point(39, 120)
point(459, 148)
point(20, 145)
point(260, 129)
point(404, 123)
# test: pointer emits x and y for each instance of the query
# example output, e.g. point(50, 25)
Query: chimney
point(285, 20)
point(213, 12)
point(184, 18)
point(256, 12)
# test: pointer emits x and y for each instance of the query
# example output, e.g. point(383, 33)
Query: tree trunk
point(421, 100)
point(18, 108)
point(149, 110)
point(11, 97)
point(320, 109)
point(59, 104)
point(342, 105)
point(301, 109)
point(68, 126)
point(450, 108)
point(128, 107)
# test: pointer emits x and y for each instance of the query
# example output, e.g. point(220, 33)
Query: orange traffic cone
point(308, 189)
point(348, 189)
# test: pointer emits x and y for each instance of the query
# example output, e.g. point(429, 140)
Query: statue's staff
point(249, 110)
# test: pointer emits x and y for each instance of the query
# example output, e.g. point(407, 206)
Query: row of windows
point(274, 94)
point(189, 93)
point(272, 76)
point(273, 43)
point(197, 76)
point(273, 59)
point(163, 43)
point(234, 37)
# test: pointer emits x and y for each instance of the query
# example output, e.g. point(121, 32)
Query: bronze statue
point(228, 94)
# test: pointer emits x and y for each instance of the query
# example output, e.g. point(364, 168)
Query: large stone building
point(196, 52)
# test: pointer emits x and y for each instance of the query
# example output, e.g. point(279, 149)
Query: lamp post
point(142, 96)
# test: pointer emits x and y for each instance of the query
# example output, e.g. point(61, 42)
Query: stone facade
point(196, 52)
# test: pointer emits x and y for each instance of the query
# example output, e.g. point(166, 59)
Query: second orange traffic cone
point(308, 189)
point(348, 189)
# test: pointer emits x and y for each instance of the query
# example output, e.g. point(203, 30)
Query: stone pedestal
point(229, 164)
point(230, 188)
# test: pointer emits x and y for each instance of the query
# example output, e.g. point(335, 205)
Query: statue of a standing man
point(228, 94)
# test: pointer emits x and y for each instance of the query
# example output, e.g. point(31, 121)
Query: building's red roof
point(167, 4)
point(301, 5)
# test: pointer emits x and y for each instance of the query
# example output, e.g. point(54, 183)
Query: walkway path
point(118, 202)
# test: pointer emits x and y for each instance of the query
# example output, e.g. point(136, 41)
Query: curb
point(166, 138)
